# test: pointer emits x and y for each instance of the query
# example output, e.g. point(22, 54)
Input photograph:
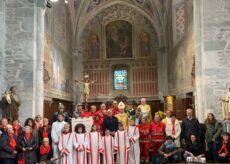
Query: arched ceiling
point(83, 11)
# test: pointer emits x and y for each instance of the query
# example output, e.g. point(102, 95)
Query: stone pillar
point(78, 75)
point(212, 55)
point(23, 53)
point(162, 72)
point(40, 11)
point(2, 43)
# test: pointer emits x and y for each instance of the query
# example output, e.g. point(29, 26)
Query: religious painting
point(144, 44)
point(93, 47)
point(120, 79)
point(59, 68)
point(118, 39)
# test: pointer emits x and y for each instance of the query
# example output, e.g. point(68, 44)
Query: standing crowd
point(120, 134)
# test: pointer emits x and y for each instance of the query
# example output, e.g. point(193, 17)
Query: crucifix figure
point(86, 83)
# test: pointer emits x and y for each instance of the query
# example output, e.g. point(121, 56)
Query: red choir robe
point(94, 147)
point(108, 149)
point(66, 148)
point(79, 143)
point(122, 146)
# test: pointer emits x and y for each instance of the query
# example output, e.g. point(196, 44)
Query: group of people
point(119, 134)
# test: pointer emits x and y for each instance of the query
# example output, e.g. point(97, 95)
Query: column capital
point(42, 3)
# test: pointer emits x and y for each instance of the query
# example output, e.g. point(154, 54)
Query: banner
point(87, 121)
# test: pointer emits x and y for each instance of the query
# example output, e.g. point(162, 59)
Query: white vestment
point(134, 153)
point(79, 142)
point(122, 146)
point(108, 149)
point(94, 147)
point(66, 148)
point(55, 134)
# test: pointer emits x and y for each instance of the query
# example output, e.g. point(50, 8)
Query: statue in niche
point(86, 84)
point(144, 43)
point(11, 103)
point(94, 46)
point(225, 103)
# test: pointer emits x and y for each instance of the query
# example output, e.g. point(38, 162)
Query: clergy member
point(56, 132)
point(145, 110)
point(122, 116)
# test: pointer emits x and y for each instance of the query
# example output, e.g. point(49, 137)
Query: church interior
point(175, 53)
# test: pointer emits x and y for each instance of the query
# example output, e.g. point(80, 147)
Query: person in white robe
point(133, 134)
point(108, 148)
point(122, 145)
point(79, 143)
point(173, 128)
point(66, 145)
point(93, 146)
point(55, 133)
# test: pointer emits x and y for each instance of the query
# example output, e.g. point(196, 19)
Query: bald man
point(145, 110)
point(110, 122)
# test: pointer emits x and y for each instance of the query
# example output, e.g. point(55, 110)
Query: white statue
point(225, 104)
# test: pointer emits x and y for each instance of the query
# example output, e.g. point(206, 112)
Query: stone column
point(78, 75)
point(40, 11)
point(212, 55)
point(162, 72)
point(23, 53)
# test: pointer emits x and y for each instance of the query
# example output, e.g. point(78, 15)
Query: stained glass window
point(120, 79)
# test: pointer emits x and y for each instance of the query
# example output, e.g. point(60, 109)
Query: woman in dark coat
point(27, 145)
point(8, 146)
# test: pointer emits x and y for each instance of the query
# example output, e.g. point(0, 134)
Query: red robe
point(86, 114)
point(144, 130)
point(115, 110)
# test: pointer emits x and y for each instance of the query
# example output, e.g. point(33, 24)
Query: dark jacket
point(196, 149)
point(110, 123)
point(66, 116)
point(40, 132)
point(227, 157)
point(6, 150)
point(29, 155)
point(164, 150)
point(213, 131)
point(189, 127)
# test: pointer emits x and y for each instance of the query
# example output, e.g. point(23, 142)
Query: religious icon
point(93, 46)
point(86, 84)
point(144, 43)
point(118, 39)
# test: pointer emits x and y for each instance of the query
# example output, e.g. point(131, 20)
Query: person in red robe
point(93, 110)
point(101, 110)
point(144, 130)
point(157, 135)
point(86, 113)
point(98, 122)
point(114, 108)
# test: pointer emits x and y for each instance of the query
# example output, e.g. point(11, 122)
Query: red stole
point(111, 147)
point(27, 136)
point(223, 149)
point(12, 141)
point(16, 129)
point(44, 150)
point(173, 127)
point(45, 132)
